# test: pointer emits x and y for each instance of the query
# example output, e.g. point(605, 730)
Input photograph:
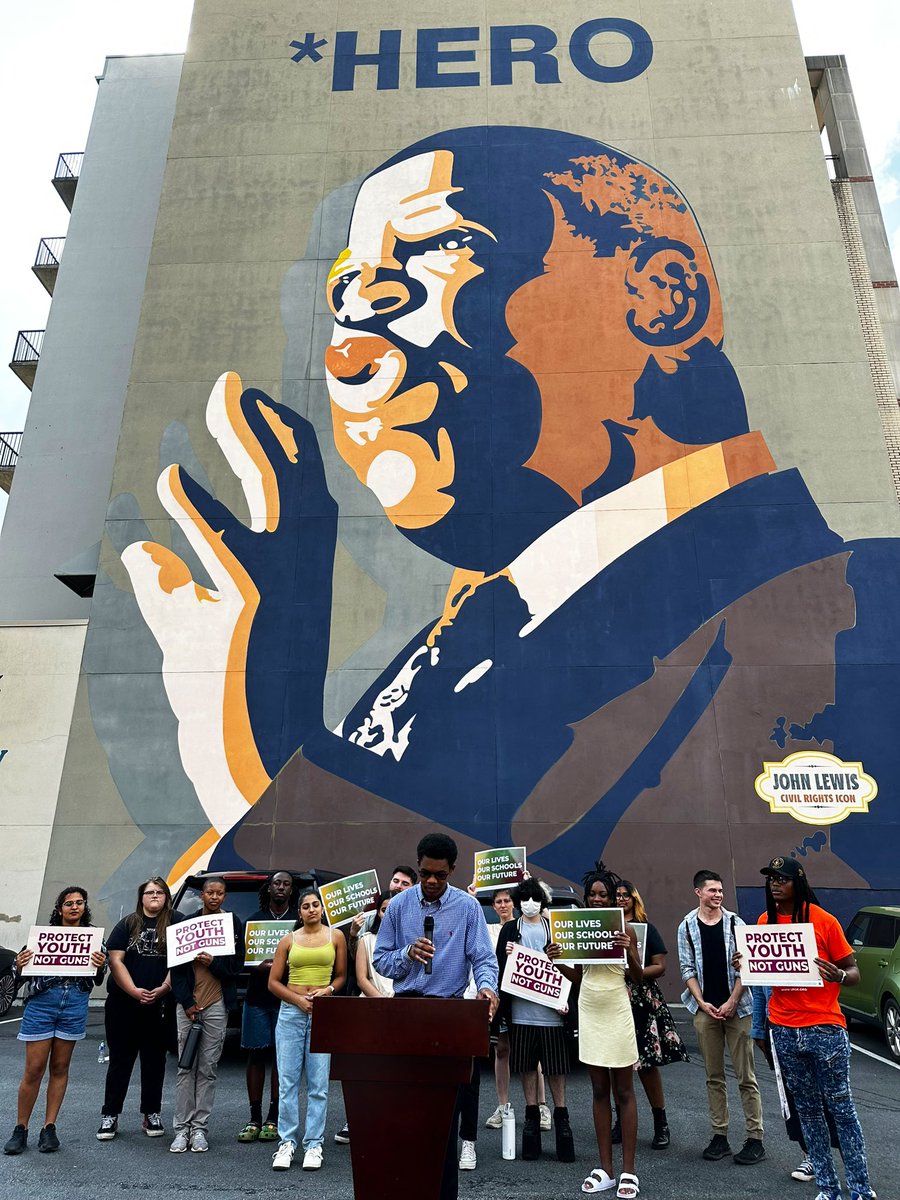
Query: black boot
point(18, 1141)
point(617, 1130)
point(661, 1137)
point(565, 1143)
point(531, 1132)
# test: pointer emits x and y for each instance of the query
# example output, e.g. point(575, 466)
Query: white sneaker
point(312, 1159)
point(180, 1143)
point(805, 1173)
point(546, 1118)
point(468, 1160)
point(283, 1156)
point(495, 1120)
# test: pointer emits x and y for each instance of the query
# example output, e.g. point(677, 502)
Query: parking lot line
point(871, 1054)
point(10, 1020)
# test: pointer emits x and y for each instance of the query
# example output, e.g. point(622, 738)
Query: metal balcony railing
point(10, 444)
point(46, 263)
point(27, 354)
point(65, 178)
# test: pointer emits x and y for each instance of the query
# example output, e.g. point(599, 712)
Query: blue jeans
point(292, 1050)
point(815, 1062)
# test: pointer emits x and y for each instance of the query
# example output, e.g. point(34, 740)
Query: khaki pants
point(195, 1090)
point(712, 1036)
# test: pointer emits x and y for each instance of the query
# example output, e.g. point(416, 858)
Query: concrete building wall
point(61, 486)
point(38, 679)
point(503, 596)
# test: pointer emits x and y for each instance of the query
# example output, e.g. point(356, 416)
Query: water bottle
point(508, 1131)
point(103, 1053)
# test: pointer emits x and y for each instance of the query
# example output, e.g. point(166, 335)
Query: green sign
point(261, 940)
point(346, 897)
point(500, 868)
point(585, 934)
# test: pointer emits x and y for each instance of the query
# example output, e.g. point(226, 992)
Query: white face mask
point(530, 908)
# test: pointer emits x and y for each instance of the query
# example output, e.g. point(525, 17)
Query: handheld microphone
point(429, 933)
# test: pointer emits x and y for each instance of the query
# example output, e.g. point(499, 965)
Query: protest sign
point(261, 940)
point(62, 950)
point(585, 934)
point(504, 867)
point(531, 975)
point(212, 935)
point(778, 955)
point(640, 933)
point(346, 897)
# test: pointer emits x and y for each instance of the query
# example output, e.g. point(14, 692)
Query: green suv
point(874, 934)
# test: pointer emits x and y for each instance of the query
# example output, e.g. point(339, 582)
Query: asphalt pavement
point(136, 1165)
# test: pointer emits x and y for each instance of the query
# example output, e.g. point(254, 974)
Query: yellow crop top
point(310, 966)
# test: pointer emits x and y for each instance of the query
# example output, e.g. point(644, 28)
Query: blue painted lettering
point(347, 59)
point(429, 57)
point(543, 41)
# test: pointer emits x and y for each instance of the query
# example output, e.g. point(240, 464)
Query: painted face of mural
point(396, 353)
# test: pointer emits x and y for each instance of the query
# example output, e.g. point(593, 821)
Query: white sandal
point(629, 1187)
point(598, 1181)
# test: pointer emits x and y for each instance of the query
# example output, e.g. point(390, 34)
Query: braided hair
point(804, 896)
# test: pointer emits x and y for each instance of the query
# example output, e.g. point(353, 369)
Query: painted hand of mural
point(231, 726)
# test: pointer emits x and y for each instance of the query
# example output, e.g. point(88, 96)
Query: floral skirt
point(654, 1026)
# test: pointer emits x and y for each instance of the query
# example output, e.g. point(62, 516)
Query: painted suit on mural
point(526, 368)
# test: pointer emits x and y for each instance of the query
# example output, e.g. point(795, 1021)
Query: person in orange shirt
point(809, 1034)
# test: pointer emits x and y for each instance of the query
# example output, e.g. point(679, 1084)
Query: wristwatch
point(843, 975)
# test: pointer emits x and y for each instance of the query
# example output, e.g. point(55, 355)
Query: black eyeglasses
point(440, 876)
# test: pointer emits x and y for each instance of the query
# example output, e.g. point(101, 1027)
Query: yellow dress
point(606, 1035)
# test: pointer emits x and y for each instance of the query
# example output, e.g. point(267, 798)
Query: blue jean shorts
point(60, 1012)
point(258, 1027)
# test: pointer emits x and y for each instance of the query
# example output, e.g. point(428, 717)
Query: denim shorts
point(60, 1012)
point(258, 1027)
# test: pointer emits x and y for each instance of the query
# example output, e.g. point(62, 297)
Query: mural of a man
point(527, 369)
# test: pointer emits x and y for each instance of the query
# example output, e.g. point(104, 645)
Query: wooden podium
point(401, 1063)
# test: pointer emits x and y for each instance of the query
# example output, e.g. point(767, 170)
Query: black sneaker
point(109, 1127)
point(153, 1126)
point(342, 1137)
point(47, 1140)
point(752, 1151)
point(717, 1148)
point(18, 1141)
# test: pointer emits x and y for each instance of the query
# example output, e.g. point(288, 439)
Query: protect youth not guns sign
point(530, 975)
point(56, 950)
point(213, 935)
point(778, 955)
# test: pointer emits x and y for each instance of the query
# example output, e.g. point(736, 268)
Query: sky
point(52, 51)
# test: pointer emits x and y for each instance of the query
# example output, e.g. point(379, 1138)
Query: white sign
point(640, 934)
point(778, 955)
point(816, 788)
point(212, 935)
point(531, 975)
point(62, 950)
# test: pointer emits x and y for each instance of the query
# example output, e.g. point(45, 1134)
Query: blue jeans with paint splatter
point(815, 1062)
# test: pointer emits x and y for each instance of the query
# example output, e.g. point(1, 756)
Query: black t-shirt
point(715, 972)
point(654, 944)
point(145, 958)
point(258, 993)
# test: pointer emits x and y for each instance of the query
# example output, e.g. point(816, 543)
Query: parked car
point(874, 934)
point(242, 899)
point(7, 980)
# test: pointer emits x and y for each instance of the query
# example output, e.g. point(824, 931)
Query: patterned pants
point(815, 1062)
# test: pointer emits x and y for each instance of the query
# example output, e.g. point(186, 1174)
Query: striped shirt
point(461, 944)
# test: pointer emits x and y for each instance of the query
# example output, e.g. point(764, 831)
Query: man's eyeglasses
point(440, 876)
point(778, 879)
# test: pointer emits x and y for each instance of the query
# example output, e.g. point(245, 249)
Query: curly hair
point(601, 874)
point(56, 915)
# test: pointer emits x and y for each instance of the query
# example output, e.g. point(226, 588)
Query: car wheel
point(7, 991)
point(891, 1023)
